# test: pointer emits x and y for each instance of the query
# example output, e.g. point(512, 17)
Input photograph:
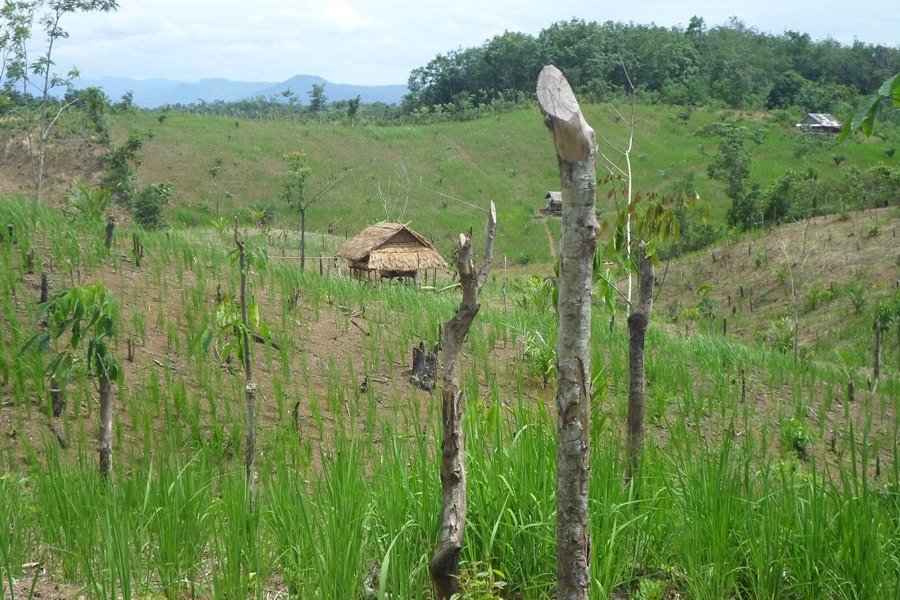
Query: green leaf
point(42, 340)
point(253, 315)
point(891, 89)
point(864, 118)
point(229, 348)
point(206, 339)
point(606, 288)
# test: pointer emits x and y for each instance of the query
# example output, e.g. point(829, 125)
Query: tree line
point(731, 65)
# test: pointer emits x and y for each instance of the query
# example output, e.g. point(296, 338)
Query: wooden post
point(110, 227)
point(444, 565)
point(576, 148)
point(137, 249)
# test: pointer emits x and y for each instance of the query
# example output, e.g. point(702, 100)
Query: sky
point(378, 42)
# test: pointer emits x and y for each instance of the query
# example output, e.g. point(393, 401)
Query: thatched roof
point(391, 247)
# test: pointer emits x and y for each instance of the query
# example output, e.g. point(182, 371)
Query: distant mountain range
point(153, 93)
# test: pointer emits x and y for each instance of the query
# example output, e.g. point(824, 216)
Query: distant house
point(389, 251)
point(554, 203)
point(821, 122)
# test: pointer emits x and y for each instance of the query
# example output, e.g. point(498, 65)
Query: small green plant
point(707, 308)
point(779, 334)
point(540, 354)
point(815, 297)
point(537, 293)
point(690, 315)
point(838, 159)
point(651, 589)
point(759, 257)
point(873, 227)
point(85, 202)
point(795, 436)
point(260, 215)
point(220, 224)
point(857, 295)
point(480, 582)
point(783, 272)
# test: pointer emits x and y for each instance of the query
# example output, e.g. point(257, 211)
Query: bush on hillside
point(146, 208)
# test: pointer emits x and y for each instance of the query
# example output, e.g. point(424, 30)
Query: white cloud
point(368, 42)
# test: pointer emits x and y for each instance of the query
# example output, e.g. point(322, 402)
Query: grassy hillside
point(432, 175)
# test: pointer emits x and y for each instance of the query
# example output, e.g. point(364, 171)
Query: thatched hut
point(389, 251)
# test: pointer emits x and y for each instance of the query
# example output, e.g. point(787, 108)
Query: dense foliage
point(731, 65)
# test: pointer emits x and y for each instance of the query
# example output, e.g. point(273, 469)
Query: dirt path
point(550, 241)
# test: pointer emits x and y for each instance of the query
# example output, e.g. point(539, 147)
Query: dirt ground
point(67, 158)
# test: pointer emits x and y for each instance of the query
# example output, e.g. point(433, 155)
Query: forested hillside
point(729, 65)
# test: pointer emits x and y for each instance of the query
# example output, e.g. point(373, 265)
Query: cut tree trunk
point(876, 358)
point(110, 228)
point(424, 367)
point(444, 565)
point(576, 148)
point(638, 321)
point(105, 449)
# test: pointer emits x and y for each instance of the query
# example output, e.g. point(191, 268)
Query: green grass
point(432, 175)
point(723, 507)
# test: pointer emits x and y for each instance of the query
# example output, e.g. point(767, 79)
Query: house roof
point(391, 247)
point(820, 120)
point(554, 197)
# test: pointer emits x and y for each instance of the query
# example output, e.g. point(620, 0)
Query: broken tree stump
point(424, 368)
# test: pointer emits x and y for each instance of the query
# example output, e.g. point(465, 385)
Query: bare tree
point(35, 74)
point(444, 565)
point(295, 190)
point(576, 148)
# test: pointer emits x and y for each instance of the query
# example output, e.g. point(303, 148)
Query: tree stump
point(110, 227)
point(424, 368)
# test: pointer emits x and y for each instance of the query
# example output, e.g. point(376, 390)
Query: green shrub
point(815, 297)
point(146, 208)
